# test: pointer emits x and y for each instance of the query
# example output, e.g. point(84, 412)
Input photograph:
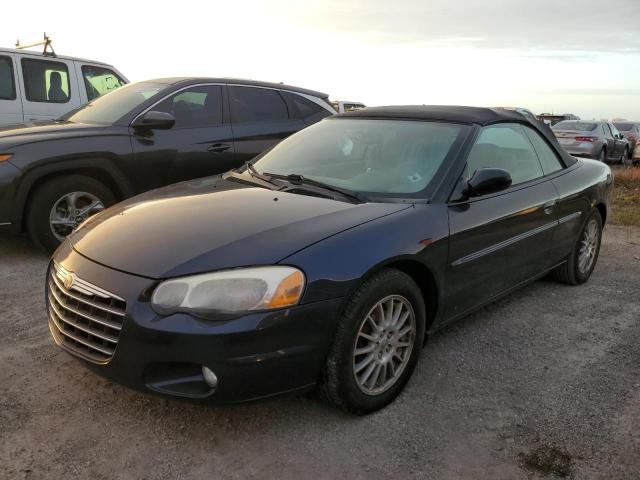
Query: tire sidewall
point(47, 194)
point(392, 282)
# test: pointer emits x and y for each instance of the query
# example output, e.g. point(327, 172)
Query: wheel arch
point(602, 209)
point(424, 278)
point(101, 170)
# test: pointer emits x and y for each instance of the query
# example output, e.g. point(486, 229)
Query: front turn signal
point(5, 156)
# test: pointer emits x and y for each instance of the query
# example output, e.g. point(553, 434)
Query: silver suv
point(41, 86)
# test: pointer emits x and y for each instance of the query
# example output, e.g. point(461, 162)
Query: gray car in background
point(631, 130)
point(592, 139)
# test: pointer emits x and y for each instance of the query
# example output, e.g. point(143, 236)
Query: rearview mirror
point(487, 180)
point(155, 120)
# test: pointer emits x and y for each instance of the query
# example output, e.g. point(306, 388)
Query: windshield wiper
point(297, 179)
point(251, 180)
point(255, 173)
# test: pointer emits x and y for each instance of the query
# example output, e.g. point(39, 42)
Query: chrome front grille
point(83, 318)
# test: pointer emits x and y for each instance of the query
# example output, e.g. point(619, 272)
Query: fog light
point(209, 377)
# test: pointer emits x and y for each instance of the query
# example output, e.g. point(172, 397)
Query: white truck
point(43, 86)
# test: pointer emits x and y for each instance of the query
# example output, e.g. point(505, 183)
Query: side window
point(546, 155)
point(505, 146)
point(194, 107)
point(303, 108)
point(99, 80)
point(7, 83)
point(45, 81)
point(614, 130)
point(251, 104)
point(607, 130)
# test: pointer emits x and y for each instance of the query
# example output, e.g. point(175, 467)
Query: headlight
point(243, 289)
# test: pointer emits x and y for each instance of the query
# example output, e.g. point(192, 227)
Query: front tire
point(582, 260)
point(376, 345)
point(59, 205)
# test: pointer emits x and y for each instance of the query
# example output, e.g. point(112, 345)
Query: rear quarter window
point(303, 108)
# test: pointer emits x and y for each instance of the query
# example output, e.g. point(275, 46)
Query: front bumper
point(253, 356)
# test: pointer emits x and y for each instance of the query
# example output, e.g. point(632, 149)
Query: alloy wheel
point(384, 344)
point(588, 247)
point(71, 210)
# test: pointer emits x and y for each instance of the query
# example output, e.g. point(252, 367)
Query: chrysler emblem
point(69, 280)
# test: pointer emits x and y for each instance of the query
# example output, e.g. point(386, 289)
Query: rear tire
point(603, 155)
point(368, 339)
point(575, 271)
point(48, 197)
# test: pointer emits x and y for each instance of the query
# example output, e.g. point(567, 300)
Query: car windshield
point(624, 127)
point(392, 157)
point(573, 125)
point(114, 105)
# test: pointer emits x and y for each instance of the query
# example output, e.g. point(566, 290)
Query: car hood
point(212, 224)
point(20, 133)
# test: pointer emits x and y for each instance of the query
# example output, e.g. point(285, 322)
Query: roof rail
point(47, 45)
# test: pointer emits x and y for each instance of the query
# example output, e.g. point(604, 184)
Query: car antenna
point(46, 41)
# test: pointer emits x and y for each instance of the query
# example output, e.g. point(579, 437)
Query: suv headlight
point(230, 291)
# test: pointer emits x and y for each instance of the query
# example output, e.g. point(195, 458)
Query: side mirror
point(155, 120)
point(487, 180)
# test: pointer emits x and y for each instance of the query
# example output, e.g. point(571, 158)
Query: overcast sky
point(548, 55)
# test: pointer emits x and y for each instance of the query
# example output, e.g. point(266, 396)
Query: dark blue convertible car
point(328, 260)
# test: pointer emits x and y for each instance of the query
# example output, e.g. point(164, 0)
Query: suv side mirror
point(155, 120)
point(487, 180)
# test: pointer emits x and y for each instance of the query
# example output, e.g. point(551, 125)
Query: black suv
point(53, 175)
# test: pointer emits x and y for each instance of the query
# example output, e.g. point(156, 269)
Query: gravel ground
point(551, 368)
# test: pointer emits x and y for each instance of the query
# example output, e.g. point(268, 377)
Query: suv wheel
point(58, 206)
point(377, 343)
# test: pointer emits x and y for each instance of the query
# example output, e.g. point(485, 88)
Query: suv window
point(251, 104)
point(546, 155)
point(505, 146)
point(303, 108)
point(45, 81)
point(194, 107)
point(7, 83)
point(99, 80)
point(607, 129)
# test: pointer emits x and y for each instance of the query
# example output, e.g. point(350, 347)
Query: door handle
point(549, 206)
point(219, 147)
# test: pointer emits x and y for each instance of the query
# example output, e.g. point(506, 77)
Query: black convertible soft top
point(459, 114)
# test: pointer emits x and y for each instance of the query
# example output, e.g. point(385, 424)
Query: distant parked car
point(342, 106)
point(53, 175)
point(631, 130)
point(592, 139)
point(37, 86)
point(551, 119)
